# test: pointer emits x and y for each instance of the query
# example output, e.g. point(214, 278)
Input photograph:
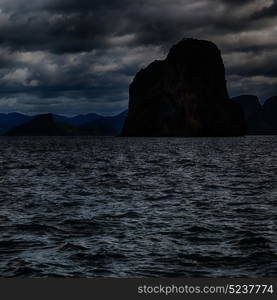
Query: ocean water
point(138, 207)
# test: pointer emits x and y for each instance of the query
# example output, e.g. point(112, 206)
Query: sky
point(72, 57)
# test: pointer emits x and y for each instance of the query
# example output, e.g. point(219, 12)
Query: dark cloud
point(267, 12)
point(77, 56)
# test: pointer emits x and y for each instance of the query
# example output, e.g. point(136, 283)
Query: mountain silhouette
point(12, 120)
point(252, 111)
point(261, 119)
point(78, 120)
point(92, 124)
point(44, 125)
point(269, 116)
point(107, 126)
point(184, 95)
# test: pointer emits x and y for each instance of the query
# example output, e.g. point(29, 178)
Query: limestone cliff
point(184, 95)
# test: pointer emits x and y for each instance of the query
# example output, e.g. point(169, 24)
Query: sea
point(93, 207)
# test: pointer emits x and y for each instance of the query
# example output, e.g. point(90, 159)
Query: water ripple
point(135, 207)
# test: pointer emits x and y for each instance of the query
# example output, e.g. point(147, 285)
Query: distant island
point(44, 125)
point(16, 124)
point(260, 119)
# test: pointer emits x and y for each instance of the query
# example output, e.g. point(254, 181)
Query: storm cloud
point(71, 57)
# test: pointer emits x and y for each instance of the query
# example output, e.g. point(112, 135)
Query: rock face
point(184, 95)
point(44, 125)
point(252, 111)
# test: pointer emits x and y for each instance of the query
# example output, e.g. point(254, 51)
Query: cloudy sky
point(79, 56)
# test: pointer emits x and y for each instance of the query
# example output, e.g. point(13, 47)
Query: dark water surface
point(118, 207)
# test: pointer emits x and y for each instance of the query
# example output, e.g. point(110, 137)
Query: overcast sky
point(79, 56)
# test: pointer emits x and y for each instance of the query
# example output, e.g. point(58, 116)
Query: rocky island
point(184, 95)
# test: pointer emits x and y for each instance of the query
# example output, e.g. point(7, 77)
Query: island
point(184, 95)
